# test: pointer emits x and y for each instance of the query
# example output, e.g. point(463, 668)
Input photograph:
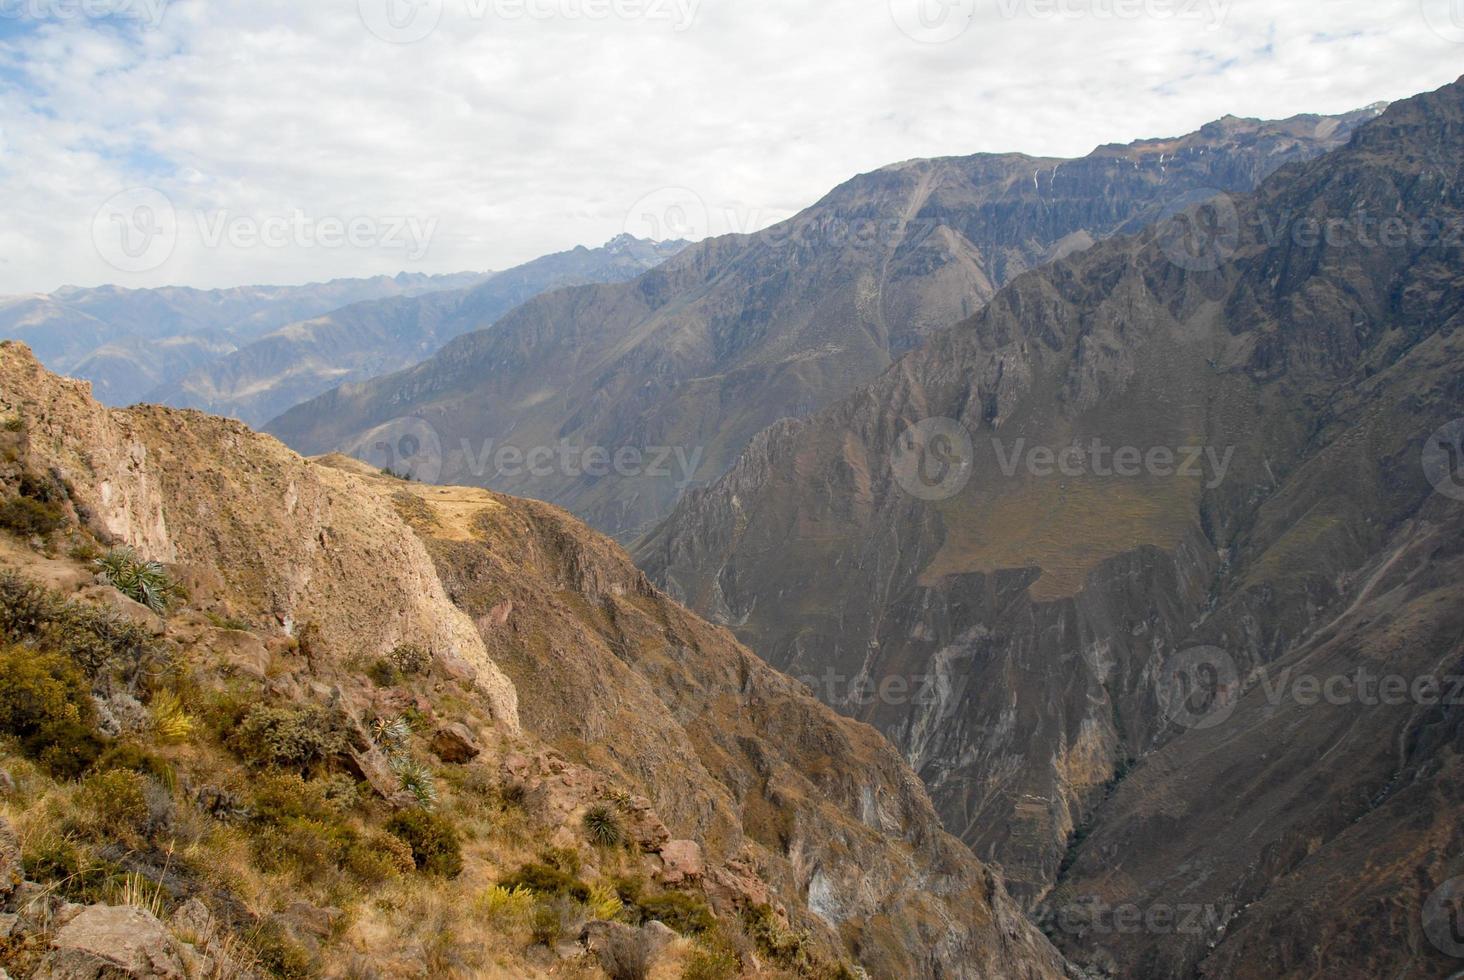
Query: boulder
point(113, 941)
point(456, 744)
point(681, 862)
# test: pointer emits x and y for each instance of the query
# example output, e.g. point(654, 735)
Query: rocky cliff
point(352, 725)
point(683, 366)
point(1085, 556)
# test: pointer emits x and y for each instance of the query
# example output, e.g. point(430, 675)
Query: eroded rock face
point(748, 788)
point(106, 942)
point(738, 332)
point(295, 543)
point(1032, 614)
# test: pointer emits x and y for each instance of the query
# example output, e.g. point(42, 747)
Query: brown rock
point(113, 941)
point(456, 744)
point(682, 860)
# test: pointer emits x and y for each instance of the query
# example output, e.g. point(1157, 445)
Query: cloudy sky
point(213, 143)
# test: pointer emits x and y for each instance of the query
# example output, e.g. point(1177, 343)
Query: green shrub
point(46, 703)
point(379, 858)
point(548, 881)
point(288, 736)
point(113, 804)
point(27, 517)
point(687, 914)
point(281, 955)
point(305, 846)
point(383, 674)
point(434, 841)
point(603, 826)
point(133, 757)
point(142, 581)
point(96, 639)
point(546, 925)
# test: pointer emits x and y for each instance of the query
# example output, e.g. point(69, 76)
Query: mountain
point(299, 361)
point(1117, 564)
point(129, 341)
point(354, 725)
point(699, 355)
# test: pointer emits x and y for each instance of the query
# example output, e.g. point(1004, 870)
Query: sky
point(213, 144)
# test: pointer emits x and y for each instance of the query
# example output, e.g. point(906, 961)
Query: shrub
point(499, 904)
point(546, 925)
point(604, 902)
point(114, 804)
point(390, 734)
point(304, 845)
point(383, 674)
point(142, 581)
point(603, 826)
point(628, 954)
point(96, 639)
point(686, 914)
point(548, 881)
point(288, 736)
point(28, 517)
point(133, 757)
point(434, 841)
point(378, 858)
point(408, 658)
point(711, 962)
point(46, 703)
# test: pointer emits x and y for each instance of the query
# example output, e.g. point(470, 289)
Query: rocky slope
point(352, 672)
point(701, 354)
point(1210, 461)
point(299, 361)
point(129, 341)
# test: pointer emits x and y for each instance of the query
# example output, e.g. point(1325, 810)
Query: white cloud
point(512, 134)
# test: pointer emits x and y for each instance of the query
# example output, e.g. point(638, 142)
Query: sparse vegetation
point(97, 640)
point(436, 848)
point(28, 517)
point(603, 826)
point(140, 580)
point(45, 702)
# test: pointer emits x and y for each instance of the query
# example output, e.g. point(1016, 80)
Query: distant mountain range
point(707, 350)
point(127, 342)
point(255, 351)
point(299, 361)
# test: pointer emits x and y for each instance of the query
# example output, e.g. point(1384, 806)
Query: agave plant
point(603, 826)
point(416, 779)
point(390, 734)
point(143, 581)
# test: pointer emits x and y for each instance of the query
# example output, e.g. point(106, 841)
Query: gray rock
point(11, 873)
point(113, 941)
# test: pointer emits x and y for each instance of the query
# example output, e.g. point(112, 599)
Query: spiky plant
point(416, 779)
point(170, 722)
point(391, 734)
point(603, 826)
point(143, 581)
